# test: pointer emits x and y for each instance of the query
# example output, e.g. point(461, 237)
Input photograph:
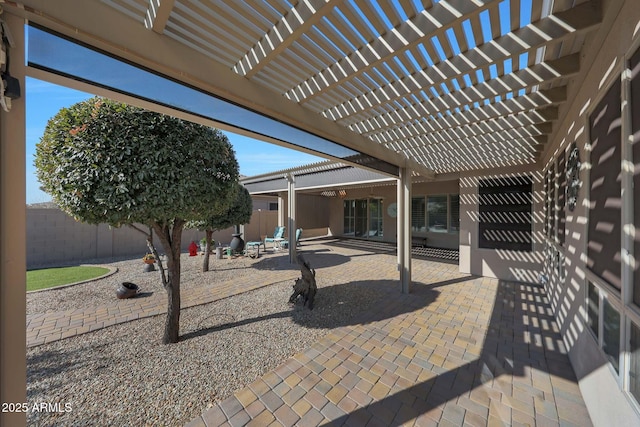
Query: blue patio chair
point(285, 244)
point(277, 237)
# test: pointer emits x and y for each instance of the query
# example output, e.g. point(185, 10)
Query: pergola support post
point(281, 205)
point(13, 252)
point(291, 189)
point(404, 229)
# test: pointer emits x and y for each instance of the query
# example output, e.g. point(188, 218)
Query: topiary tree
point(238, 213)
point(107, 162)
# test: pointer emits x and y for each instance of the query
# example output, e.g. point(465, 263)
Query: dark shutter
point(635, 131)
point(505, 213)
point(603, 251)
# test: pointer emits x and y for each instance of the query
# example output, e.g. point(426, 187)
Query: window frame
point(351, 205)
point(605, 294)
point(425, 223)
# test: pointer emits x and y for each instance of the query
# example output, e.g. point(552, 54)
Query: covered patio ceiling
point(440, 86)
point(328, 178)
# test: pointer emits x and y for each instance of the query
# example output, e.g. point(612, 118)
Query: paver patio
point(458, 350)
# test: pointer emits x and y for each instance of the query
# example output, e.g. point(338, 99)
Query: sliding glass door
point(363, 218)
point(375, 218)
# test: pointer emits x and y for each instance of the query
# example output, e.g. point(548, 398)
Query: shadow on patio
point(467, 351)
point(449, 256)
point(331, 318)
point(521, 376)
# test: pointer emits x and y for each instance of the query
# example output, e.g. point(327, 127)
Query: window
point(363, 218)
point(375, 218)
point(607, 332)
point(611, 334)
point(593, 309)
point(634, 359)
point(418, 214)
point(454, 213)
point(505, 213)
point(273, 206)
point(349, 217)
point(437, 213)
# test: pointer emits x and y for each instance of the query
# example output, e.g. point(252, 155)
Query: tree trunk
point(207, 251)
point(171, 237)
point(172, 323)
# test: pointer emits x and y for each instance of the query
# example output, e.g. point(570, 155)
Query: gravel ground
point(103, 291)
point(123, 375)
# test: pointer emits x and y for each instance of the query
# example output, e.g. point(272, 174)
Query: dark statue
point(305, 286)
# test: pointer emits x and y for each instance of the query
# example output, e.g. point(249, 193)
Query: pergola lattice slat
point(433, 22)
point(449, 75)
point(545, 32)
point(495, 88)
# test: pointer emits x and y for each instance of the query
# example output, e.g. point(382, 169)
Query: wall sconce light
point(9, 85)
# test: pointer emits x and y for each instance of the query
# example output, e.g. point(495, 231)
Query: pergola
point(450, 85)
point(454, 85)
point(405, 87)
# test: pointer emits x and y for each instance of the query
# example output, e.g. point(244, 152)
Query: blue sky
point(44, 100)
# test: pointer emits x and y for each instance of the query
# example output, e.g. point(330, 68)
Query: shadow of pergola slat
point(522, 357)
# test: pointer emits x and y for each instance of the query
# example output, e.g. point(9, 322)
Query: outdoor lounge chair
point(285, 244)
point(277, 237)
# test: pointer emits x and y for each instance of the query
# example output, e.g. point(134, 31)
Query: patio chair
point(277, 237)
point(285, 244)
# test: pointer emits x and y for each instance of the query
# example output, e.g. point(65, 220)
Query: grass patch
point(49, 277)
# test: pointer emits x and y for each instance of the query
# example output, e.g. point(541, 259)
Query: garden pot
point(149, 267)
point(127, 290)
point(237, 244)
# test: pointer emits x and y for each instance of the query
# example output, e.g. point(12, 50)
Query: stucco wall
point(601, 62)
